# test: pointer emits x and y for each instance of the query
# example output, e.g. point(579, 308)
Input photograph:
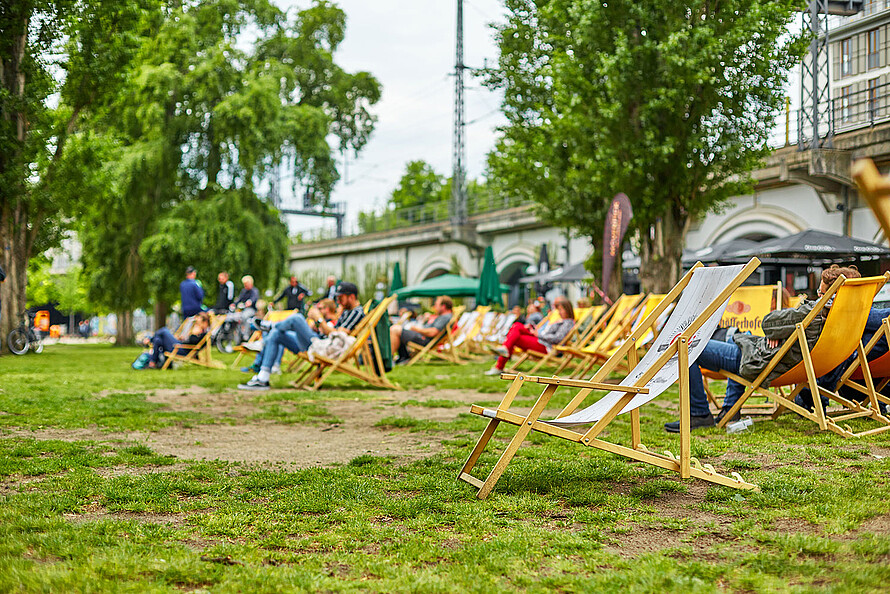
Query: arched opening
point(510, 275)
point(434, 273)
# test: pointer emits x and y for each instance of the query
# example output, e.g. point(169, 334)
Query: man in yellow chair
point(748, 355)
point(295, 334)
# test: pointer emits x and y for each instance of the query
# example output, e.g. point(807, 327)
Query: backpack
point(141, 361)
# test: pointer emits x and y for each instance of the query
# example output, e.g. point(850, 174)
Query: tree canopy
point(669, 102)
point(221, 93)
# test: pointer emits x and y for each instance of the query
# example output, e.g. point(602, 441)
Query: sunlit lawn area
point(118, 480)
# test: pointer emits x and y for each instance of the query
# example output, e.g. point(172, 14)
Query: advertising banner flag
point(617, 220)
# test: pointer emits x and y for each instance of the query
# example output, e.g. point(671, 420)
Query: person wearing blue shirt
point(191, 293)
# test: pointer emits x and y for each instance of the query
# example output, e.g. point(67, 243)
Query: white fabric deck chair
point(701, 296)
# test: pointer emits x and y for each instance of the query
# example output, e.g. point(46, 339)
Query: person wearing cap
point(295, 335)
point(191, 293)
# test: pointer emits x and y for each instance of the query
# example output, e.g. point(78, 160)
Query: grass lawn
point(118, 480)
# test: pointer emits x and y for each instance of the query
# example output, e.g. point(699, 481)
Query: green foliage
point(66, 290)
point(222, 92)
point(231, 230)
point(669, 102)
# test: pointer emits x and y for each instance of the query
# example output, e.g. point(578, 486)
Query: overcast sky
point(409, 46)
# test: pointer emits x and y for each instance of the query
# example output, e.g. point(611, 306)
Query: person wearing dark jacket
point(749, 355)
point(191, 293)
point(225, 295)
point(295, 293)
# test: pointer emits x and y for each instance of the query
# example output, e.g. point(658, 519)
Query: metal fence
point(388, 219)
point(850, 110)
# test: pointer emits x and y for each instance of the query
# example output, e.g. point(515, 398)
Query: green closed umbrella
point(396, 279)
point(489, 287)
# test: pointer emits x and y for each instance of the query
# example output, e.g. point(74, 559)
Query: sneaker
point(255, 346)
point(723, 412)
point(502, 351)
point(694, 423)
point(494, 371)
point(275, 370)
point(254, 384)
point(261, 325)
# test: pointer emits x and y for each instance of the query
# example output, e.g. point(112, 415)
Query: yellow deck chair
point(431, 349)
point(841, 334)
point(615, 331)
point(363, 360)
point(871, 379)
point(194, 354)
point(464, 342)
point(581, 314)
point(700, 297)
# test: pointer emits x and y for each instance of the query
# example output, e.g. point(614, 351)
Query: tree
point(77, 51)
point(246, 237)
point(669, 102)
point(207, 114)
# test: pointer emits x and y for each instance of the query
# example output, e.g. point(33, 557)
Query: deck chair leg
point(468, 466)
point(521, 434)
point(685, 413)
point(811, 378)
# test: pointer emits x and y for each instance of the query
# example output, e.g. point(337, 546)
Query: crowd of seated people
point(526, 336)
point(422, 331)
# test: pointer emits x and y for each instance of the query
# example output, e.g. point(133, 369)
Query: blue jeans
point(294, 334)
point(716, 356)
point(162, 341)
point(258, 361)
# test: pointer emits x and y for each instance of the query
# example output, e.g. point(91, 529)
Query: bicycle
point(24, 338)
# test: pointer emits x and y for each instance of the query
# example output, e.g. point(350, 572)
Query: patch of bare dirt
point(267, 442)
point(98, 515)
point(644, 540)
point(116, 471)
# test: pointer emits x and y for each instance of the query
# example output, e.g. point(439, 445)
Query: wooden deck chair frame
point(554, 356)
point(431, 348)
point(466, 348)
point(550, 355)
point(684, 464)
point(599, 347)
point(589, 334)
point(875, 376)
point(474, 345)
point(365, 346)
point(758, 408)
point(195, 354)
point(828, 354)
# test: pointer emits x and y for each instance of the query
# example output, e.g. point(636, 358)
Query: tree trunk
point(161, 311)
point(125, 335)
point(661, 251)
point(14, 258)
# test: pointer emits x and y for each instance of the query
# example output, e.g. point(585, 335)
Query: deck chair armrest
point(572, 383)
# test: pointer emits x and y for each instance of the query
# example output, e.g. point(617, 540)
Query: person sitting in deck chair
point(747, 355)
point(164, 341)
point(325, 311)
point(421, 334)
point(295, 334)
point(528, 338)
